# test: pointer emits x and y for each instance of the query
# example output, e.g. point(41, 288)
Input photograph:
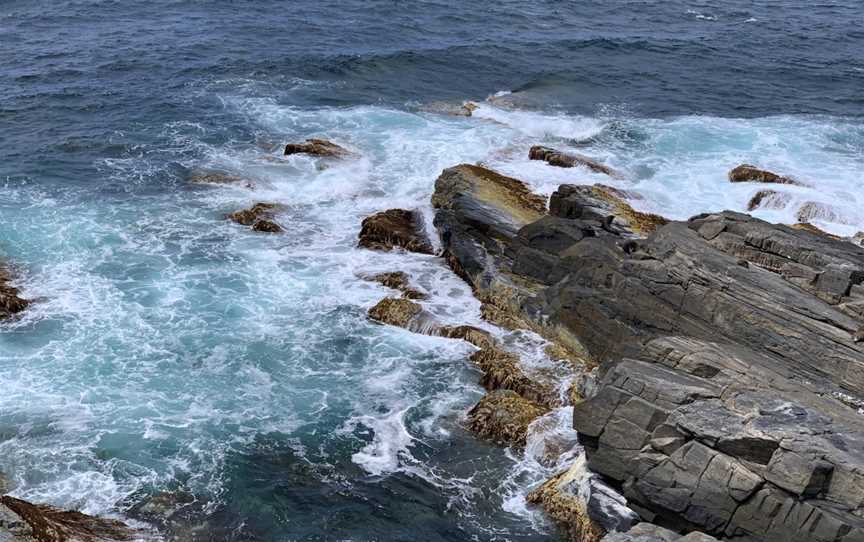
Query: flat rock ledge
point(394, 228)
point(21, 521)
point(11, 302)
point(730, 399)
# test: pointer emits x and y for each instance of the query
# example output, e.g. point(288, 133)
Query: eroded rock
point(396, 312)
point(582, 504)
point(504, 416)
point(318, 147)
point(395, 228)
point(560, 159)
point(26, 522)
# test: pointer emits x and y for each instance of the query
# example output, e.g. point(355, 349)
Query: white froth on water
point(165, 338)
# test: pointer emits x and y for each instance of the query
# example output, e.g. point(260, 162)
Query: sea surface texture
point(188, 375)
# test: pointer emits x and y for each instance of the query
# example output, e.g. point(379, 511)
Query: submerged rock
point(768, 199)
point(503, 416)
point(582, 504)
point(745, 173)
point(814, 210)
point(10, 300)
point(395, 228)
point(259, 216)
point(26, 522)
point(317, 147)
point(398, 280)
point(560, 159)
point(219, 178)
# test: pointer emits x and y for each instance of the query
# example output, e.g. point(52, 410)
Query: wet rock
point(5, 484)
point(26, 522)
point(479, 338)
point(504, 416)
point(803, 226)
point(813, 210)
point(394, 228)
point(317, 147)
point(11, 302)
point(449, 108)
point(600, 203)
point(560, 159)
point(582, 504)
point(398, 280)
point(501, 371)
point(647, 532)
point(728, 352)
point(746, 173)
point(768, 199)
point(219, 178)
point(395, 312)
point(259, 217)
point(266, 226)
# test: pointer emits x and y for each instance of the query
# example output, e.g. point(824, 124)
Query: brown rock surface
point(394, 228)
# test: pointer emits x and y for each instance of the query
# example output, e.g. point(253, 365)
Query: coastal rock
point(219, 178)
point(731, 364)
point(501, 371)
point(746, 173)
point(503, 416)
point(604, 204)
point(582, 504)
point(647, 532)
point(768, 199)
point(317, 147)
point(814, 210)
point(259, 217)
point(10, 300)
point(394, 228)
point(560, 159)
point(26, 522)
point(395, 312)
point(398, 280)
point(448, 108)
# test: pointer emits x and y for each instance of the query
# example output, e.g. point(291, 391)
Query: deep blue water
point(171, 351)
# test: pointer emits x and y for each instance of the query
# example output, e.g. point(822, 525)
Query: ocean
point(193, 377)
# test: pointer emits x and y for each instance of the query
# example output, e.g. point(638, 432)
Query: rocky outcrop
point(814, 210)
point(259, 217)
point(746, 173)
point(395, 228)
point(26, 522)
point(504, 416)
point(11, 302)
point(768, 199)
point(647, 532)
point(396, 312)
point(730, 353)
point(583, 504)
point(605, 204)
point(398, 280)
point(560, 159)
point(219, 178)
point(318, 147)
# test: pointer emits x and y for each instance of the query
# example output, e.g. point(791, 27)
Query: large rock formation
point(21, 521)
point(10, 300)
point(730, 353)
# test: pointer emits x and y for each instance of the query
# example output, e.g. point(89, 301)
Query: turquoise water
point(195, 378)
